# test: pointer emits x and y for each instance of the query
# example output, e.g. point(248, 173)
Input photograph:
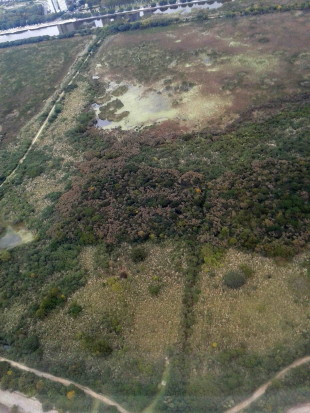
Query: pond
point(100, 123)
point(14, 237)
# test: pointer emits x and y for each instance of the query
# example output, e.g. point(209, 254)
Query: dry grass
point(271, 308)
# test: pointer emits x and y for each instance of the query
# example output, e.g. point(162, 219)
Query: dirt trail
point(66, 382)
point(262, 389)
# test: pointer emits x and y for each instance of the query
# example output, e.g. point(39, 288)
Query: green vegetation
point(75, 309)
point(50, 394)
point(234, 279)
point(31, 73)
point(160, 240)
point(138, 254)
point(287, 392)
point(258, 204)
point(25, 15)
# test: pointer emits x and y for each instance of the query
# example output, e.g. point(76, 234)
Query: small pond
point(14, 237)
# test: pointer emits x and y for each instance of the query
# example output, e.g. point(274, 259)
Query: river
point(67, 26)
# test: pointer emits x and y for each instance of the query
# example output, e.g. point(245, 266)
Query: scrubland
point(177, 230)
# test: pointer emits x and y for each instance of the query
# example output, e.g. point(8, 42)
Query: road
point(105, 399)
point(262, 389)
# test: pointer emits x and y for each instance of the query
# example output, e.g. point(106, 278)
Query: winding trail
point(262, 389)
point(66, 382)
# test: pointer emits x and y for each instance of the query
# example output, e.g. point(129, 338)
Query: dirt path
point(262, 389)
point(66, 382)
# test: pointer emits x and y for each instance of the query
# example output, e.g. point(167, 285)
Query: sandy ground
point(303, 408)
point(25, 404)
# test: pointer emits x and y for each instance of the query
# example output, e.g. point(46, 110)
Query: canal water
point(56, 29)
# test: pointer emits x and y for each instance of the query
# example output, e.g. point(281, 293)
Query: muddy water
point(14, 237)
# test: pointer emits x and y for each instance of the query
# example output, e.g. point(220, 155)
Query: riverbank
point(59, 27)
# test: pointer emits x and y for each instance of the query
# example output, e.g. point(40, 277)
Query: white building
point(56, 6)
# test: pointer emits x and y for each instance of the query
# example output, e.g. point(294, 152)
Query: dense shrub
point(5, 256)
point(75, 309)
point(138, 254)
point(154, 289)
point(234, 279)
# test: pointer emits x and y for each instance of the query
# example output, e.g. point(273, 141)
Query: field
point(204, 75)
point(178, 231)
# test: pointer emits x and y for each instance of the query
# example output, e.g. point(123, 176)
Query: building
point(55, 6)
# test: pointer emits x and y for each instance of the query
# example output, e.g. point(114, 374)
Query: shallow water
point(10, 240)
point(101, 123)
point(14, 237)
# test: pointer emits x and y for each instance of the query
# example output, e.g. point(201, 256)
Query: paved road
point(66, 382)
point(262, 389)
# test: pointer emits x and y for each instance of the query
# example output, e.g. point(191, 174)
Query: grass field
point(268, 310)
